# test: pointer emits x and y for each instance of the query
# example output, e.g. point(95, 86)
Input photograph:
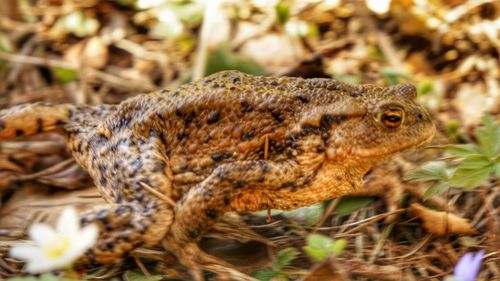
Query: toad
point(171, 162)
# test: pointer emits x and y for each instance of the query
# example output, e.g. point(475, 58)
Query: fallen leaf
point(441, 223)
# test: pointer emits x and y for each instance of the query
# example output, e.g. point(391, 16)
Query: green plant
point(283, 258)
point(320, 247)
point(468, 166)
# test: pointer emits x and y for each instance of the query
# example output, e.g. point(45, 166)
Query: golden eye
point(392, 118)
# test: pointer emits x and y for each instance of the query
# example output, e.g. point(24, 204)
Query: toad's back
point(227, 117)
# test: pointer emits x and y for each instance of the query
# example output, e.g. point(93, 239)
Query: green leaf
point(282, 12)
point(284, 257)
point(126, 3)
point(461, 150)
point(137, 276)
point(434, 170)
point(437, 188)
point(470, 178)
point(265, 275)
point(319, 247)
point(489, 136)
point(394, 76)
point(338, 247)
point(350, 204)
point(310, 214)
point(497, 170)
point(474, 161)
point(51, 277)
point(223, 59)
point(24, 278)
point(425, 87)
point(65, 75)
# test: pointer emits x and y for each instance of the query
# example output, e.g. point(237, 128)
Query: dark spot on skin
point(306, 181)
point(121, 123)
point(288, 184)
point(2, 125)
point(308, 129)
point(246, 107)
point(163, 91)
point(211, 213)
point(274, 83)
point(236, 80)
point(279, 148)
point(189, 117)
point(227, 201)
point(19, 132)
point(219, 156)
point(103, 181)
point(261, 178)
point(181, 136)
point(60, 122)
point(239, 184)
point(420, 116)
point(107, 246)
point(325, 136)
point(213, 117)
point(193, 233)
point(102, 168)
point(339, 178)
point(302, 98)
point(264, 167)
point(206, 139)
point(277, 115)
point(248, 135)
point(208, 195)
point(320, 148)
point(39, 124)
point(291, 141)
point(136, 165)
point(139, 196)
point(78, 147)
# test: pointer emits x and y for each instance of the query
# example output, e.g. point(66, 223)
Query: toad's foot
point(123, 228)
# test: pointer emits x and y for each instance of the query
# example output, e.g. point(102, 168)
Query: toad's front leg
point(239, 186)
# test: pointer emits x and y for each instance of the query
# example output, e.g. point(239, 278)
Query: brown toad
point(173, 161)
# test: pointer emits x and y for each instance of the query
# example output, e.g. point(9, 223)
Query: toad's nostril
point(420, 116)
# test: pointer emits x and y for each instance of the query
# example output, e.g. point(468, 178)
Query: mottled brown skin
point(228, 142)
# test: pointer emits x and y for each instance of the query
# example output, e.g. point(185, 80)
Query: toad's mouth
point(388, 151)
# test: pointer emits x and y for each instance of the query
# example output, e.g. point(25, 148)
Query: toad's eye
point(392, 118)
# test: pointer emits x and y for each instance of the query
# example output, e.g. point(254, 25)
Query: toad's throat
point(388, 151)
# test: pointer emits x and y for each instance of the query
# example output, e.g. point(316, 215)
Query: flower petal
point(44, 264)
point(86, 239)
point(41, 233)
point(468, 266)
point(68, 223)
point(25, 252)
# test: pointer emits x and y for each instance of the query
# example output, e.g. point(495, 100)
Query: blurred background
point(93, 52)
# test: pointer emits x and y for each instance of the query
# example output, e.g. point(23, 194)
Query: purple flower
point(468, 266)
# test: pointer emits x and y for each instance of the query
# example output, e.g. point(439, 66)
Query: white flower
point(378, 6)
point(56, 249)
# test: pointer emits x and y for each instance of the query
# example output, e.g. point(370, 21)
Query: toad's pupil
point(393, 118)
